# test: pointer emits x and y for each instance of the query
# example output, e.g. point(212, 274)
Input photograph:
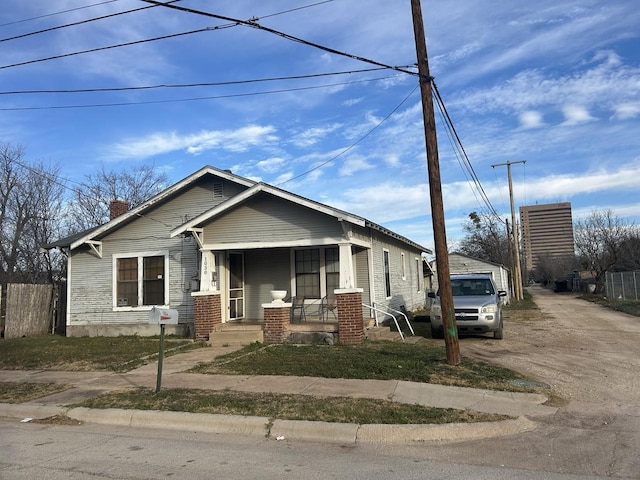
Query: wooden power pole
point(517, 270)
point(435, 186)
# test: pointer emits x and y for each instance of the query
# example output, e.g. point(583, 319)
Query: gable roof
point(78, 239)
point(67, 241)
point(481, 260)
point(91, 236)
point(261, 187)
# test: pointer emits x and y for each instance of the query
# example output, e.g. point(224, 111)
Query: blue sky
point(554, 83)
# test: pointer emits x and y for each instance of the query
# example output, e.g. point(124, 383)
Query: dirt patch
point(57, 420)
point(585, 352)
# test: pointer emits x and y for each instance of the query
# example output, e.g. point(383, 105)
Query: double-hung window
point(308, 273)
point(332, 268)
point(141, 280)
point(317, 271)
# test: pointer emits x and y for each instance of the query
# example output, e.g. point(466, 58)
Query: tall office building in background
point(547, 230)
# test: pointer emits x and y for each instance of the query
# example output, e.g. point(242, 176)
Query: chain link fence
point(623, 285)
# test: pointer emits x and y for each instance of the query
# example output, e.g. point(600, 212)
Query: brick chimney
point(117, 208)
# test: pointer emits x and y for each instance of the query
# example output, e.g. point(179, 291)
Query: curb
point(299, 430)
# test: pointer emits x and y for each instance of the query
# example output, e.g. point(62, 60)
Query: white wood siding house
point(461, 263)
point(218, 232)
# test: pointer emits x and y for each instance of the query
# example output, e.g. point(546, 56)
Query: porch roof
point(197, 223)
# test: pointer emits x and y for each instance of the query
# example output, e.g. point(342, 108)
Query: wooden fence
point(28, 310)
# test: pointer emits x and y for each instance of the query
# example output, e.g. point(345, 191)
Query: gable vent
point(217, 190)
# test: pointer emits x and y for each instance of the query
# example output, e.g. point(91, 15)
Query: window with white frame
point(140, 279)
point(387, 272)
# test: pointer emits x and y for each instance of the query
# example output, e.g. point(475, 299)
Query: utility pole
point(435, 186)
point(517, 272)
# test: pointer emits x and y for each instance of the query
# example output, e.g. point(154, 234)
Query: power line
point(297, 8)
point(190, 85)
point(164, 37)
point(253, 24)
point(58, 27)
point(353, 145)
point(98, 49)
point(192, 99)
point(57, 13)
point(466, 162)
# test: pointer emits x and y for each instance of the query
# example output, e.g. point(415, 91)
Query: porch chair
point(328, 304)
point(297, 304)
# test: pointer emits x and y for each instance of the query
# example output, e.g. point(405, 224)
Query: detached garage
point(461, 263)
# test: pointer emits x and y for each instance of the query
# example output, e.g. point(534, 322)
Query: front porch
point(279, 325)
point(313, 332)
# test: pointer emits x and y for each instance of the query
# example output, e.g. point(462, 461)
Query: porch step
point(381, 333)
point(234, 334)
point(369, 322)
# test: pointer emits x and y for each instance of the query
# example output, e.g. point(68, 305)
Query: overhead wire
point(190, 85)
point(108, 47)
point(168, 3)
point(502, 199)
point(253, 23)
point(192, 99)
point(354, 144)
point(80, 190)
point(466, 162)
point(80, 22)
point(457, 153)
point(57, 13)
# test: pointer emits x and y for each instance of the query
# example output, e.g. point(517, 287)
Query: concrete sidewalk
point(84, 385)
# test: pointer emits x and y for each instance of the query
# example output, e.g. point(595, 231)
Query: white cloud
point(354, 164)
point(605, 83)
point(531, 119)
point(387, 201)
point(575, 115)
point(625, 111)
point(397, 202)
point(392, 159)
point(237, 140)
point(311, 136)
point(271, 165)
point(620, 180)
point(352, 101)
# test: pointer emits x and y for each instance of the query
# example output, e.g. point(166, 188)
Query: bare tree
point(30, 201)
point(550, 268)
point(486, 239)
point(599, 240)
point(90, 206)
point(629, 259)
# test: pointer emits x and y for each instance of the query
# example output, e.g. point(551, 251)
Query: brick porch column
point(276, 322)
point(207, 313)
point(350, 321)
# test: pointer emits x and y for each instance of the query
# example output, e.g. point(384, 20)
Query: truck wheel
point(498, 334)
point(437, 333)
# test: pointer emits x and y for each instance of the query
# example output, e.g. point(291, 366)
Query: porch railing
point(386, 311)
